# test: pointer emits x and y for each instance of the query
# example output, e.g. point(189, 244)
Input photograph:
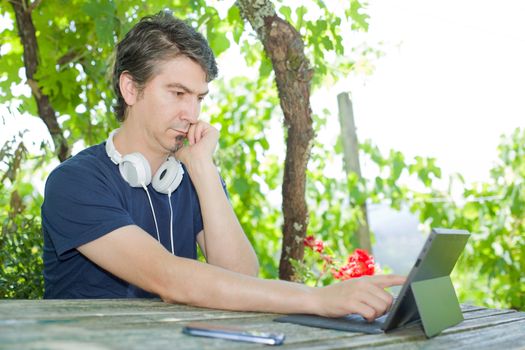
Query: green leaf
point(359, 18)
point(286, 11)
point(327, 43)
point(236, 22)
point(300, 12)
point(219, 43)
point(470, 211)
point(398, 164)
point(266, 68)
point(103, 13)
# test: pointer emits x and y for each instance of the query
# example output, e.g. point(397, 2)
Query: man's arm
point(134, 256)
point(222, 241)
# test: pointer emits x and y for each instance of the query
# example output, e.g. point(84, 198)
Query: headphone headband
point(111, 151)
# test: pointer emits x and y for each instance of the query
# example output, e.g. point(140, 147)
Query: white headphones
point(135, 169)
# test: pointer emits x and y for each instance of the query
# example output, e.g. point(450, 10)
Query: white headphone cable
point(171, 223)
point(153, 211)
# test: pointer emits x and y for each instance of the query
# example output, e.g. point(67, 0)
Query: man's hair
point(155, 39)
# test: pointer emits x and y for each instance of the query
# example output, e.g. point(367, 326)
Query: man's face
point(170, 103)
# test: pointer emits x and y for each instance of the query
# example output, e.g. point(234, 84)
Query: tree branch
point(26, 31)
point(70, 56)
point(34, 5)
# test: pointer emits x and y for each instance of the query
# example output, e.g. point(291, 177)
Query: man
point(106, 232)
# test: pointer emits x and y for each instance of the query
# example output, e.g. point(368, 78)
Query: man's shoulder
point(87, 158)
point(89, 162)
point(90, 155)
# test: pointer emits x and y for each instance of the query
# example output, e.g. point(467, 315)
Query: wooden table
point(152, 324)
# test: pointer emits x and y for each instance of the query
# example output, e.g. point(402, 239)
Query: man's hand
point(202, 139)
point(365, 296)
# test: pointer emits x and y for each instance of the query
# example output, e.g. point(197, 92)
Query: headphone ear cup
point(168, 177)
point(135, 169)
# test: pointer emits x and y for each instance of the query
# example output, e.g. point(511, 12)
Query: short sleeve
point(81, 205)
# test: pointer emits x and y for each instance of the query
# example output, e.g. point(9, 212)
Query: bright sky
point(451, 82)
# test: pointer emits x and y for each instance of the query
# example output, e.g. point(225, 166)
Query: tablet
point(436, 260)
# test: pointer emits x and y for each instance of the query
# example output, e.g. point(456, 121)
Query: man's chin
point(175, 148)
point(179, 143)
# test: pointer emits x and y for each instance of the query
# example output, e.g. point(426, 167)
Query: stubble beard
point(179, 143)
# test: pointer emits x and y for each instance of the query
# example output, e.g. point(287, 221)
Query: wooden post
point(351, 160)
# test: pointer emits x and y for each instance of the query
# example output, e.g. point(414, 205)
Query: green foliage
point(244, 159)
point(21, 257)
point(492, 270)
point(20, 236)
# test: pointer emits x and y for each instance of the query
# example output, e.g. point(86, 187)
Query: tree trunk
point(26, 31)
point(285, 47)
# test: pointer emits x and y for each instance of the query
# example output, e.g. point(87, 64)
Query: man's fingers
point(365, 310)
point(199, 127)
point(381, 293)
point(376, 302)
point(191, 134)
point(385, 281)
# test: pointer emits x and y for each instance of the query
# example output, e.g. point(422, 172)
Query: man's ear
point(128, 88)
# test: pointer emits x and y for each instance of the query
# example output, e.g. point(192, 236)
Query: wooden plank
point(485, 313)
point(487, 321)
point(60, 309)
point(50, 309)
point(468, 308)
point(506, 336)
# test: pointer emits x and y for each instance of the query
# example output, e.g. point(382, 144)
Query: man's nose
point(191, 110)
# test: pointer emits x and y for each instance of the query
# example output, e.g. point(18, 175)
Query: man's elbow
point(255, 269)
point(177, 294)
point(250, 269)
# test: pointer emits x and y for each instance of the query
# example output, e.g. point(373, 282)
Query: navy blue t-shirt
point(86, 198)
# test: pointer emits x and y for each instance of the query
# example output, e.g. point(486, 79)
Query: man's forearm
point(225, 242)
point(215, 287)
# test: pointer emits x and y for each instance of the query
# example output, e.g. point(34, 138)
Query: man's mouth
point(185, 132)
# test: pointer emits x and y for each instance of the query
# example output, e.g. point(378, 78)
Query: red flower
point(319, 246)
point(360, 263)
point(309, 241)
point(315, 244)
